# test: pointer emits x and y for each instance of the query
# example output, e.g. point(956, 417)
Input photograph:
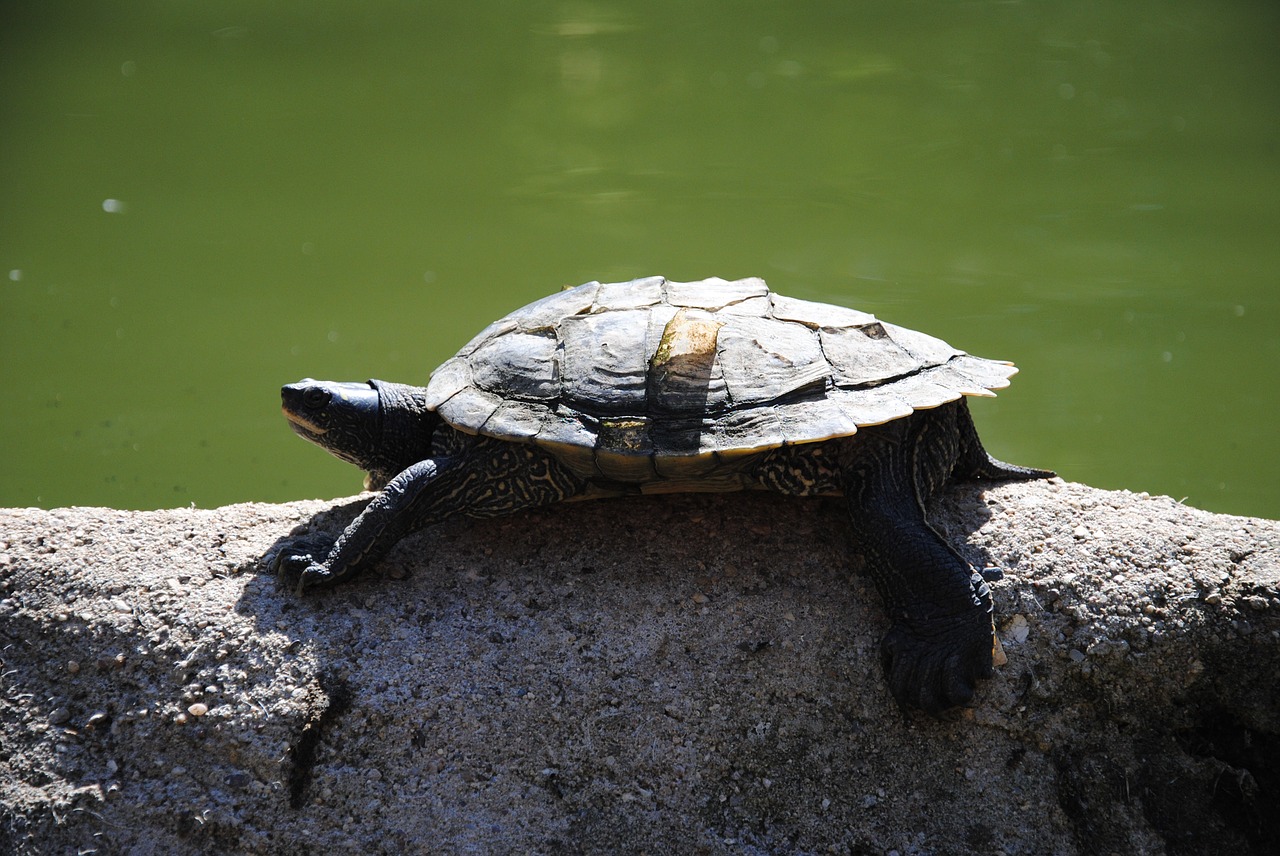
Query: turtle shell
point(651, 380)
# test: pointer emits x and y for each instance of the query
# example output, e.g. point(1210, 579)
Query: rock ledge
point(694, 674)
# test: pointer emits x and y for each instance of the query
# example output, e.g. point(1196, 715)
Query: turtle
point(653, 386)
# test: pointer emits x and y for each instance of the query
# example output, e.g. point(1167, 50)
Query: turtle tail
point(976, 463)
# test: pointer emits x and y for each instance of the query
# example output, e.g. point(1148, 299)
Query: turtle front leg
point(399, 508)
point(492, 479)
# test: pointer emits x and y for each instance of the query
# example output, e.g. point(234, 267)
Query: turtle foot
point(299, 573)
point(935, 663)
point(297, 568)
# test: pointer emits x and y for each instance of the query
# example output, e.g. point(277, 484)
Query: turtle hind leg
point(487, 478)
point(940, 641)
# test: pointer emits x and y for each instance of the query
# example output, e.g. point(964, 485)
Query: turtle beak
point(300, 402)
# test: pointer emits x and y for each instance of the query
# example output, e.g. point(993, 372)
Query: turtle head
point(380, 427)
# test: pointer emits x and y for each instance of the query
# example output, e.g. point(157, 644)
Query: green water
point(200, 202)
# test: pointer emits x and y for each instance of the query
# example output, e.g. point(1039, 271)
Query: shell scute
point(638, 294)
point(866, 356)
point(684, 375)
point(451, 377)
point(819, 418)
point(684, 437)
point(815, 315)
point(602, 361)
point(519, 365)
point(715, 293)
point(925, 348)
point(515, 419)
point(750, 430)
point(989, 374)
point(548, 312)
point(469, 408)
point(866, 407)
point(764, 360)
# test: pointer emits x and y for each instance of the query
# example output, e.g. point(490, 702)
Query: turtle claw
point(935, 664)
point(297, 568)
point(291, 568)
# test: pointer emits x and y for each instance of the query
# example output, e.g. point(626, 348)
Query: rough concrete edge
point(1160, 615)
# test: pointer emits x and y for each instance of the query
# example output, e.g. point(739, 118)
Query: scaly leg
point(490, 478)
point(941, 637)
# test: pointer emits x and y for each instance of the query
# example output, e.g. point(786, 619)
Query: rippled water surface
point(200, 202)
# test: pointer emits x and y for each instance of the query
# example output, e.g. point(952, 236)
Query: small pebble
point(198, 709)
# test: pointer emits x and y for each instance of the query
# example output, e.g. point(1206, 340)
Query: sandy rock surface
point(665, 675)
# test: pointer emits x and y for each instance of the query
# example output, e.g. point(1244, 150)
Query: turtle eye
point(316, 398)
